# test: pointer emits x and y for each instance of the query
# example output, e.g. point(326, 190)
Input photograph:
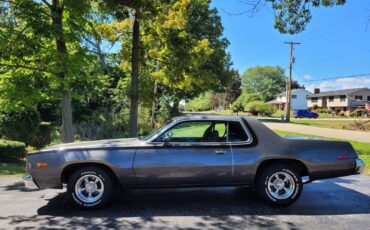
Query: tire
point(97, 193)
point(272, 194)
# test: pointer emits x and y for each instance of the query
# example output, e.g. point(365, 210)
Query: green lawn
point(363, 149)
point(337, 124)
point(16, 169)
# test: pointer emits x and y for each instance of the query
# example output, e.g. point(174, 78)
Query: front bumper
point(29, 182)
point(360, 165)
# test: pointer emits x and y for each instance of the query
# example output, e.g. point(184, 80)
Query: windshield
point(160, 129)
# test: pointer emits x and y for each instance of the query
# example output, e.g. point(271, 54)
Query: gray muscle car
point(192, 151)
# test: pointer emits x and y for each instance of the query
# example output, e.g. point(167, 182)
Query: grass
point(12, 169)
point(362, 148)
point(337, 124)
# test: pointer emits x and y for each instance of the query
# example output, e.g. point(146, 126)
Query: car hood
point(124, 142)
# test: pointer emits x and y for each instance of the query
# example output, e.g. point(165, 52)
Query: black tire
point(105, 181)
point(267, 174)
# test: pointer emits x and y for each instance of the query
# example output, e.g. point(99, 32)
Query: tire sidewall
point(104, 199)
point(281, 202)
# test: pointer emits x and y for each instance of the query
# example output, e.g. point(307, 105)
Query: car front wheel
point(90, 188)
point(280, 185)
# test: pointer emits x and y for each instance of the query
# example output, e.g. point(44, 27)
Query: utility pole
point(289, 85)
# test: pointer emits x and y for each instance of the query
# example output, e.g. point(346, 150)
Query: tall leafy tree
point(264, 80)
point(43, 38)
point(181, 50)
point(291, 16)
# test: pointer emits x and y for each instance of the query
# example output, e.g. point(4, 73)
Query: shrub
point(243, 100)
point(315, 107)
point(43, 136)
point(259, 108)
point(12, 151)
point(20, 125)
point(323, 111)
point(358, 113)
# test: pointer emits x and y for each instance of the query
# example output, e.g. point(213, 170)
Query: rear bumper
point(360, 165)
point(29, 182)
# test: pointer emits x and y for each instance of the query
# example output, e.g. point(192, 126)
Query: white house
point(298, 99)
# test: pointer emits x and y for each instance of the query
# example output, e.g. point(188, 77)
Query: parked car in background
point(192, 151)
point(301, 113)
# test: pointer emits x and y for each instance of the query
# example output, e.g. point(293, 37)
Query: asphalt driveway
point(342, 203)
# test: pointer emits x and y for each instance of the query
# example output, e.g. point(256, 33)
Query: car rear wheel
point(90, 188)
point(280, 185)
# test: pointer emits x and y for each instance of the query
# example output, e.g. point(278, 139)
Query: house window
point(342, 97)
point(358, 97)
point(294, 96)
point(313, 99)
point(368, 98)
point(331, 98)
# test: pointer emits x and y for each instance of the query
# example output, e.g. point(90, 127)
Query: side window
point(196, 131)
point(236, 132)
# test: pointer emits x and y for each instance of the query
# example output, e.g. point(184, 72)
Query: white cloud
point(307, 77)
point(341, 83)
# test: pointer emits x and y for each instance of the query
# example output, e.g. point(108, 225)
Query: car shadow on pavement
point(219, 208)
point(19, 186)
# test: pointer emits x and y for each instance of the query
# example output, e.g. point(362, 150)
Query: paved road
point(324, 132)
point(342, 203)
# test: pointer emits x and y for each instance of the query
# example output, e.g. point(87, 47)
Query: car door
point(189, 153)
point(245, 153)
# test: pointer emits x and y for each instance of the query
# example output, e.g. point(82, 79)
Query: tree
point(291, 16)
point(296, 85)
point(182, 51)
point(38, 34)
point(234, 90)
point(264, 80)
point(139, 11)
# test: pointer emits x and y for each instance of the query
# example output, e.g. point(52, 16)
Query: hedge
point(12, 151)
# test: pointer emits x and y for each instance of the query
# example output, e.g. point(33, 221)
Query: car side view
point(192, 151)
point(301, 113)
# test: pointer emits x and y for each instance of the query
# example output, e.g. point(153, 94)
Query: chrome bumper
point(360, 165)
point(29, 183)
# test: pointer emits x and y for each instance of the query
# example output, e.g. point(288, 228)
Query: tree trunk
point(66, 102)
point(175, 108)
point(134, 75)
point(155, 100)
point(154, 106)
point(67, 123)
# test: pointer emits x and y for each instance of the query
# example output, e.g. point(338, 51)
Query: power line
point(332, 78)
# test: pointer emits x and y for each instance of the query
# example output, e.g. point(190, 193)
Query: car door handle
point(220, 152)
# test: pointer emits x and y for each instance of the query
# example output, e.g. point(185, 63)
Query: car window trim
point(246, 131)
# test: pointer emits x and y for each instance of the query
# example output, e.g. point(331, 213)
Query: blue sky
point(336, 43)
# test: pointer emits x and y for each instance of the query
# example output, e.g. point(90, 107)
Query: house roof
point(294, 90)
point(275, 102)
point(337, 92)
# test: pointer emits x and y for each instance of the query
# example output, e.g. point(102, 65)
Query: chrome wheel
point(281, 185)
point(89, 188)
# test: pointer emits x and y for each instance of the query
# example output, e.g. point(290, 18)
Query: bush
point(43, 136)
point(358, 113)
point(259, 108)
point(314, 107)
point(12, 151)
point(243, 100)
point(20, 125)
point(323, 111)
